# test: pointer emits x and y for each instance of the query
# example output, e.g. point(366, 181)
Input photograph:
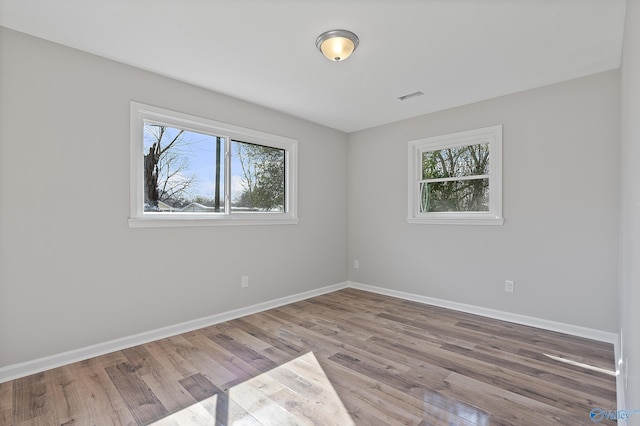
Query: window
point(457, 178)
point(190, 171)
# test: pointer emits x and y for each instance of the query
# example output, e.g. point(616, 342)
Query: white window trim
point(138, 218)
point(491, 135)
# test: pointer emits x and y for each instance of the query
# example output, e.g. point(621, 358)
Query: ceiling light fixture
point(337, 45)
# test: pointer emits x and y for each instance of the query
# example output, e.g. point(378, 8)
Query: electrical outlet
point(245, 281)
point(356, 264)
point(509, 286)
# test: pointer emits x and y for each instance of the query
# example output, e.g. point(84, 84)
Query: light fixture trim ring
point(337, 33)
point(327, 35)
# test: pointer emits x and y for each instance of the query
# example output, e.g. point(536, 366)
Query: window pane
point(257, 178)
point(455, 196)
point(183, 170)
point(471, 160)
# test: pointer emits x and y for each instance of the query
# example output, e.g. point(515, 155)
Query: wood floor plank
point(253, 396)
point(193, 415)
point(233, 330)
point(494, 375)
point(245, 353)
point(163, 382)
point(65, 399)
point(256, 330)
point(213, 407)
point(6, 403)
point(549, 369)
point(512, 408)
point(381, 401)
point(308, 392)
point(201, 360)
point(235, 368)
point(171, 356)
point(29, 395)
point(201, 389)
point(274, 354)
point(284, 396)
point(142, 402)
point(342, 357)
point(551, 342)
point(527, 369)
point(523, 334)
point(99, 392)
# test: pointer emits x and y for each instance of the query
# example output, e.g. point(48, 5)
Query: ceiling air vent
point(410, 95)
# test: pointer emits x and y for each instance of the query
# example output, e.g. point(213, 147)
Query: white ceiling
point(263, 51)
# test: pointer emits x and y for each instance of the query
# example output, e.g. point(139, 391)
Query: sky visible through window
point(193, 159)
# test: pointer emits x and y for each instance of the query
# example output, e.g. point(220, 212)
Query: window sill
point(163, 222)
point(457, 221)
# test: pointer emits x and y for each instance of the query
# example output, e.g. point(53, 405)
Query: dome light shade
point(337, 45)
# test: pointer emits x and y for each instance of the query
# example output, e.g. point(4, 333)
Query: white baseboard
point(620, 373)
point(27, 368)
point(23, 369)
point(589, 333)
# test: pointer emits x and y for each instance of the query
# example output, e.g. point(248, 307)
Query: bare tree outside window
point(181, 170)
point(455, 179)
point(191, 171)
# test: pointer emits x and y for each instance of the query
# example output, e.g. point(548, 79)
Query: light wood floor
point(349, 357)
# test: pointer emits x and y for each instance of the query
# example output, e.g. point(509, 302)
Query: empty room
point(319, 213)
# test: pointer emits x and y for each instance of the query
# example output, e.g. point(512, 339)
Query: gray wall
point(72, 273)
point(630, 210)
point(559, 242)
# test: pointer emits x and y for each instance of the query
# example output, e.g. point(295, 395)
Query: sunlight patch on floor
point(610, 372)
point(295, 393)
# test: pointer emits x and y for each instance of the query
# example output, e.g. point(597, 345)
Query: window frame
point(139, 113)
point(491, 135)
